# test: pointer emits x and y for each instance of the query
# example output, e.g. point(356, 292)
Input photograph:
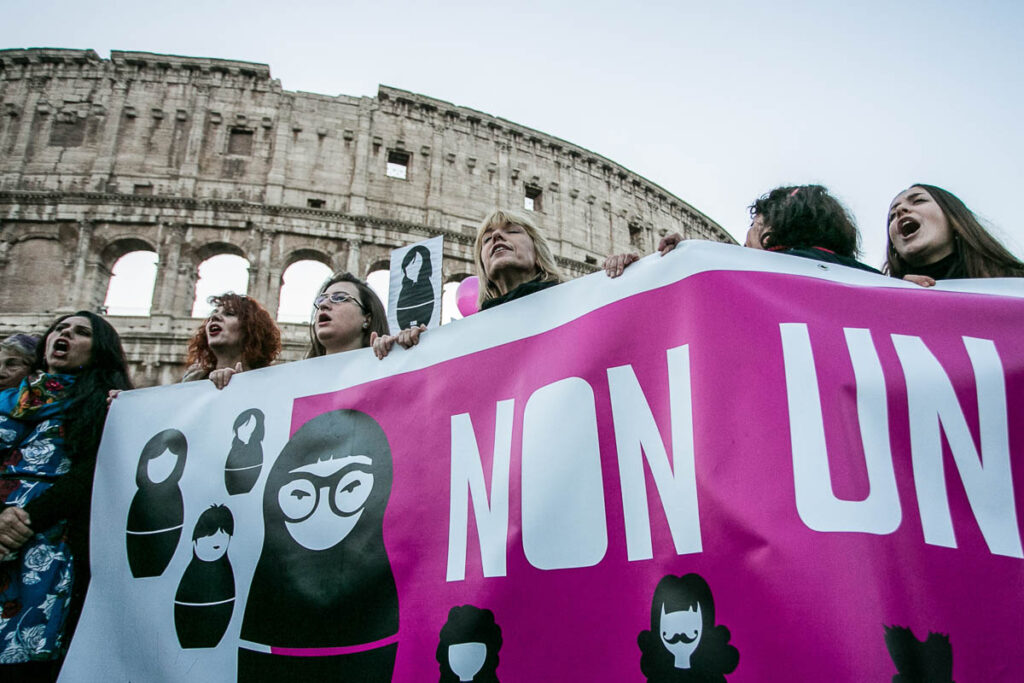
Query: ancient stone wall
point(191, 157)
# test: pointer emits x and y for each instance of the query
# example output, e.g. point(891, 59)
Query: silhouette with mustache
point(683, 644)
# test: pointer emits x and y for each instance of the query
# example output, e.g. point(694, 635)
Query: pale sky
point(717, 102)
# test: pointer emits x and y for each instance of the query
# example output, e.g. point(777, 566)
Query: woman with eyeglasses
point(347, 315)
point(238, 335)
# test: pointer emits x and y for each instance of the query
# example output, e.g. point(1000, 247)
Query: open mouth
point(61, 347)
point(213, 329)
point(907, 227)
point(323, 318)
point(498, 249)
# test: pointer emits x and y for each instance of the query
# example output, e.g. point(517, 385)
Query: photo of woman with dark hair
point(245, 459)
point(469, 645)
point(684, 645)
point(416, 298)
point(933, 236)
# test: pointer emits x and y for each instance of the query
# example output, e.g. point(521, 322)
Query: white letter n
point(468, 481)
point(636, 435)
point(933, 408)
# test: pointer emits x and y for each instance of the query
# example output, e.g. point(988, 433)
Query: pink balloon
point(466, 294)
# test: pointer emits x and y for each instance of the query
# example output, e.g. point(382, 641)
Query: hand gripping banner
point(726, 465)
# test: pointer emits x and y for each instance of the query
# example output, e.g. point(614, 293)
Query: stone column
point(353, 263)
point(25, 119)
point(282, 150)
point(175, 276)
point(359, 187)
point(265, 274)
point(87, 288)
point(106, 160)
point(197, 124)
point(435, 187)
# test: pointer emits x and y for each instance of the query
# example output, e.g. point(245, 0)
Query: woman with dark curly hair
point(347, 315)
point(50, 428)
point(805, 220)
point(800, 220)
point(238, 335)
point(934, 236)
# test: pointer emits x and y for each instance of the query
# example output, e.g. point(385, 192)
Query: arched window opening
point(299, 285)
point(217, 275)
point(132, 279)
point(449, 306)
point(380, 282)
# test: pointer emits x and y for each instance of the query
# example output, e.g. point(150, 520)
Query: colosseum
point(191, 158)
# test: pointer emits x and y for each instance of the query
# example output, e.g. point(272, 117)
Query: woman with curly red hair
point(238, 335)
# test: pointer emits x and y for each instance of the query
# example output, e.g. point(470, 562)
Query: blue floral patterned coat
point(35, 581)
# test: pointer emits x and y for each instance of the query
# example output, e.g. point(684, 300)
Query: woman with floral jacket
point(50, 427)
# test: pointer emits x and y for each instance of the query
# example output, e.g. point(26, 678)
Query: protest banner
point(726, 465)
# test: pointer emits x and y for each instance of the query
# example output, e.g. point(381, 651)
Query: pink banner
point(804, 596)
point(736, 476)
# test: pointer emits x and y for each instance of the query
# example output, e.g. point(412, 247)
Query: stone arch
point(35, 274)
point(379, 283)
point(134, 294)
point(234, 281)
point(306, 254)
point(208, 250)
point(300, 278)
point(379, 264)
point(122, 245)
point(456, 277)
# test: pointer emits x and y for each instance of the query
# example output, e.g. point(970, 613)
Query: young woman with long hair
point(50, 429)
point(932, 235)
point(347, 315)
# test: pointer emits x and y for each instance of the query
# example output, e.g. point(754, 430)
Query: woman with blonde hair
point(513, 259)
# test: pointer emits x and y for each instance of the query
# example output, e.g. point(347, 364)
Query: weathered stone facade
point(191, 157)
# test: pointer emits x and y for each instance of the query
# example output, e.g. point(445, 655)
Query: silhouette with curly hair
point(468, 647)
point(930, 661)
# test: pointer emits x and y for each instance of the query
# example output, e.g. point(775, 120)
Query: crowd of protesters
point(55, 389)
